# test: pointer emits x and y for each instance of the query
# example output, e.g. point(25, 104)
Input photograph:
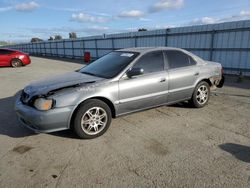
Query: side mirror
point(135, 72)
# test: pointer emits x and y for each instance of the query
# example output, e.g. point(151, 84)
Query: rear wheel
point(92, 119)
point(201, 95)
point(16, 63)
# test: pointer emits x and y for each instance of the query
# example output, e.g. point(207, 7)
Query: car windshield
point(109, 65)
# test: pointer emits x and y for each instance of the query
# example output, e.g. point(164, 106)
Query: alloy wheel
point(94, 120)
point(202, 94)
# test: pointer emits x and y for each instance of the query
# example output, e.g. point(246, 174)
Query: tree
point(58, 37)
point(72, 35)
point(142, 29)
point(51, 38)
point(36, 39)
point(3, 43)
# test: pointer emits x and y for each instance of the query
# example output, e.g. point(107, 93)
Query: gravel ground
point(170, 146)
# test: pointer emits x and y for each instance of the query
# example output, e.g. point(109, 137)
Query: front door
point(4, 57)
point(149, 89)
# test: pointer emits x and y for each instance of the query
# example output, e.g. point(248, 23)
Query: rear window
point(177, 59)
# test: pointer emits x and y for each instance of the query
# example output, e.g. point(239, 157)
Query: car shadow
point(9, 124)
point(184, 104)
point(234, 81)
point(240, 152)
point(65, 134)
point(229, 94)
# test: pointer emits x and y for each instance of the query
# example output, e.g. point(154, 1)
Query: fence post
point(113, 44)
point(35, 48)
point(212, 45)
point(64, 55)
point(73, 49)
point(40, 48)
point(96, 49)
point(83, 47)
point(57, 54)
point(44, 48)
point(50, 49)
point(166, 37)
point(32, 47)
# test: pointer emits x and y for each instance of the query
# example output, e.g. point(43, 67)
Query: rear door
point(182, 75)
point(149, 89)
point(5, 57)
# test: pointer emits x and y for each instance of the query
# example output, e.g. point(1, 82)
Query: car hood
point(71, 79)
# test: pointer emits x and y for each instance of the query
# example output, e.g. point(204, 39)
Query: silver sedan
point(121, 82)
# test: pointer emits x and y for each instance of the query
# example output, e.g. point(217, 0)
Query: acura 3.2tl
point(118, 83)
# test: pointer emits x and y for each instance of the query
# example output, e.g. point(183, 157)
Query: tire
point(201, 95)
point(92, 119)
point(16, 63)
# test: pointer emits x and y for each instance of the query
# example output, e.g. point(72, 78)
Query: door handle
point(163, 80)
point(196, 74)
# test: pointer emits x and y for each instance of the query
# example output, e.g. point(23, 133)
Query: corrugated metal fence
point(227, 43)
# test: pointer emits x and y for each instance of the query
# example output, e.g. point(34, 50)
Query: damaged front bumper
point(43, 121)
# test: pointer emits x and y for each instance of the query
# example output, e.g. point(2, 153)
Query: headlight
point(43, 104)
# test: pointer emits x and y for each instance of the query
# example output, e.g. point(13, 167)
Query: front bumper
point(25, 59)
point(44, 121)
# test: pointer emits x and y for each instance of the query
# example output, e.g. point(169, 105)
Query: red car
point(13, 58)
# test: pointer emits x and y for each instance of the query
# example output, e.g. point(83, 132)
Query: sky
point(23, 19)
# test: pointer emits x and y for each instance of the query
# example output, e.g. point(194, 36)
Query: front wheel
point(16, 63)
point(201, 95)
point(92, 119)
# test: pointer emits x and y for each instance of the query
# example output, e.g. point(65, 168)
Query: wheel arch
point(103, 99)
point(204, 80)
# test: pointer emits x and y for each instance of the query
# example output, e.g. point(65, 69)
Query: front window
point(109, 65)
point(151, 62)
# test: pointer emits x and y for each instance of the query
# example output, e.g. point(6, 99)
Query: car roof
point(10, 50)
point(148, 49)
point(143, 50)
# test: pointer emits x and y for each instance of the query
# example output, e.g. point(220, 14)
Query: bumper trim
point(36, 130)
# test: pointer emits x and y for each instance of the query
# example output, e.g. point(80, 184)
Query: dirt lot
point(175, 146)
